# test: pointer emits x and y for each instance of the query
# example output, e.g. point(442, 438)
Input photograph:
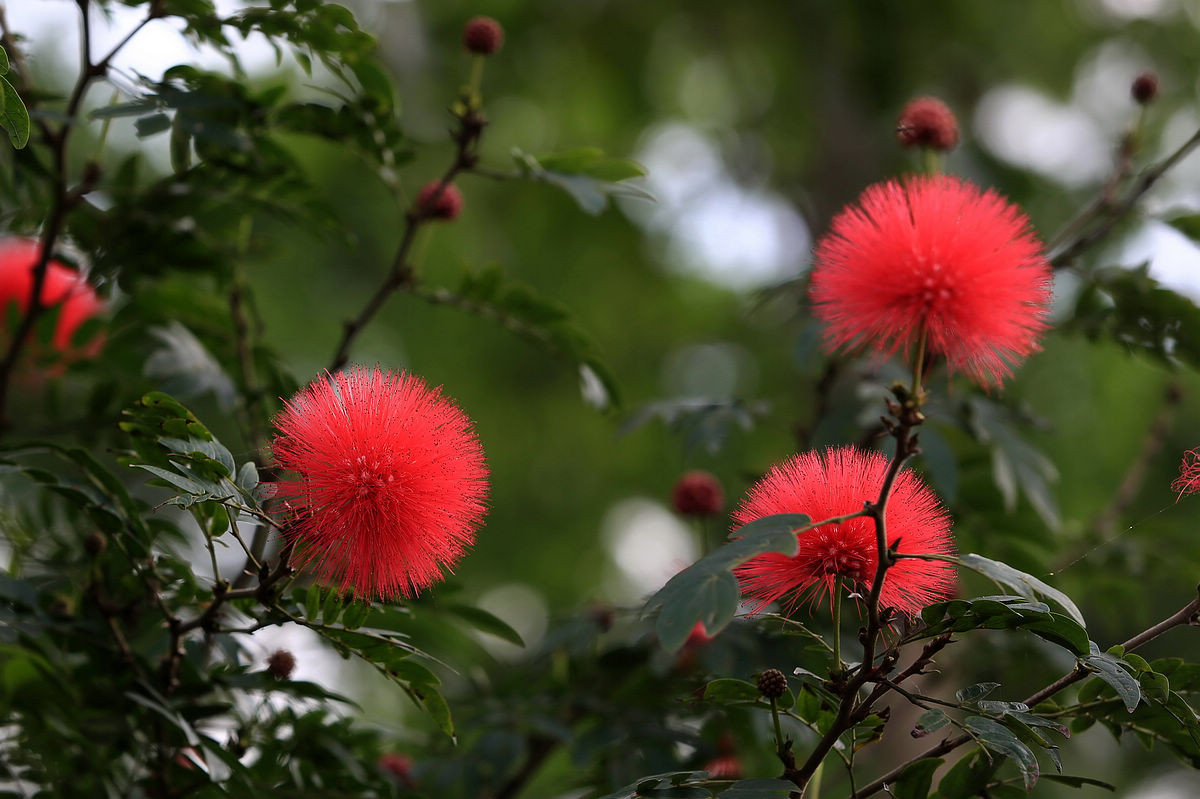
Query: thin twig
point(63, 198)
point(1189, 614)
point(401, 275)
point(1107, 215)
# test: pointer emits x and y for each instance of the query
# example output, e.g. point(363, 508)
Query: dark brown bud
point(698, 494)
point(1144, 88)
point(95, 544)
point(280, 664)
point(772, 684)
point(483, 36)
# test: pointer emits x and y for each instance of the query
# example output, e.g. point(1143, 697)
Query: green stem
point(918, 364)
point(476, 80)
point(931, 161)
point(778, 726)
point(814, 785)
point(837, 623)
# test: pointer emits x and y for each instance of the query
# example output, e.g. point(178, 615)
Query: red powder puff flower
point(697, 494)
point(444, 204)
point(927, 122)
point(1188, 481)
point(836, 483)
point(390, 482)
point(933, 256)
point(62, 287)
point(398, 766)
point(724, 767)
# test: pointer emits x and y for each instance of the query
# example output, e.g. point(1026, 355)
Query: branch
point(63, 199)
point(1189, 614)
point(1109, 214)
point(907, 417)
point(401, 275)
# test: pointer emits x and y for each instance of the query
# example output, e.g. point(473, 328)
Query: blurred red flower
point(390, 481)
point(835, 483)
point(62, 287)
point(927, 122)
point(933, 256)
point(697, 494)
point(1188, 481)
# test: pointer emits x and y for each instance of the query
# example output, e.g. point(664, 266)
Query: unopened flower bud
point(281, 663)
point(772, 684)
point(1144, 88)
point(434, 204)
point(698, 494)
point(927, 122)
point(95, 544)
point(483, 36)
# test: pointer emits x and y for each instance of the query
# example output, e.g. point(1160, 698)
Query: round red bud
point(483, 36)
point(280, 664)
point(1144, 88)
point(927, 122)
point(698, 494)
point(434, 204)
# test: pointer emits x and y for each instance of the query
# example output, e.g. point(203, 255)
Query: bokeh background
point(756, 121)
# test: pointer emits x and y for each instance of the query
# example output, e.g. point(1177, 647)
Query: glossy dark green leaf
point(973, 693)
point(762, 788)
point(707, 591)
point(999, 740)
point(14, 117)
point(1111, 670)
point(727, 689)
point(914, 782)
point(486, 622)
point(1077, 782)
point(930, 721)
point(1024, 584)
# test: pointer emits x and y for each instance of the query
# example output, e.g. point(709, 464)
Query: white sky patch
point(1023, 126)
point(1174, 258)
point(648, 544)
point(734, 235)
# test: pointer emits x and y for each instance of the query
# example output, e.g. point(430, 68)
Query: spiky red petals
point(390, 481)
point(62, 287)
point(835, 483)
point(934, 254)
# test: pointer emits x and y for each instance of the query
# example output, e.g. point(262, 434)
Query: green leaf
point(914, 782)
point(1112, 670)
point(586, 174)
point(436, 705)
point(1024, 584)
point(484, 621)
point(930, 721)
point(763, 788)
point(150, 125)
point(707, 591)
point(14, 117)
point(974, 693)
point(1015, 462)
point(3, 62)
point(1077, 782)
point(312, 602)
point(1001, 741)
point(728, 690)
point(356, 614)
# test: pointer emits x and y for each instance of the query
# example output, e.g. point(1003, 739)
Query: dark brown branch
point(401, 275)
point(907, 417)
point(1189, 614)
point(63, 198)
point(1106, 215)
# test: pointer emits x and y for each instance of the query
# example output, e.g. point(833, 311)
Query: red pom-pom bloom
point(432, 204)
point(390, 481)
point(398, 766)
point(1188, 481)
point(62, 287)
point(836, 483)
point(483, 36)
point(933, 257)
point(698, 494)
point(927, 122)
